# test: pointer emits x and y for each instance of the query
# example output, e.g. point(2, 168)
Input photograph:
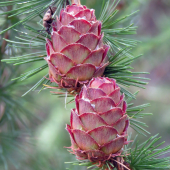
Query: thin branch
point(119, 163)
point(76, 2)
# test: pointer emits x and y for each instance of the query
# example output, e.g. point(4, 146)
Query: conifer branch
point(119, 55)
point(147, 155)
point(86, 140)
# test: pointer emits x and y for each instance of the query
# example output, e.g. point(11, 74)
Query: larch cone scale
point(76, 53)
point(98, 125)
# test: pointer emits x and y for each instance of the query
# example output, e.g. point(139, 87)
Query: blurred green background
point(46, 151)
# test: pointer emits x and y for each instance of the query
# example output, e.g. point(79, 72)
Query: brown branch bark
point(76, 2)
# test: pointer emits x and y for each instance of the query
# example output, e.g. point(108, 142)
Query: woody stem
point(76, 2)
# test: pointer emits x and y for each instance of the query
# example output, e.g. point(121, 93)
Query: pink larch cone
point(75, 53)
point(99, 123)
